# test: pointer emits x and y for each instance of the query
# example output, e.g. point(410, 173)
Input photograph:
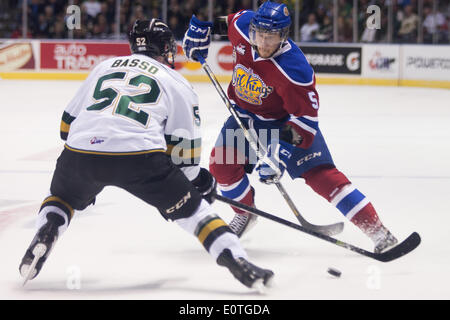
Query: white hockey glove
point(197, 39)
point(279, 154)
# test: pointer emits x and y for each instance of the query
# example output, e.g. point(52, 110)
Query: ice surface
point(393, 143)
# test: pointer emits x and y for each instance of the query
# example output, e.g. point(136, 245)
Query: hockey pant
point(153, 178)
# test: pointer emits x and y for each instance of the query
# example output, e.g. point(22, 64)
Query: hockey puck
point(334, 272)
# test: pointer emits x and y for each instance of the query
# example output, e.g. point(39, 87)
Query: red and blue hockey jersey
point(282, 86)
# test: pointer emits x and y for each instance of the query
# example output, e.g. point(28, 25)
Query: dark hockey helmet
point(270, 18)
point(153, 38)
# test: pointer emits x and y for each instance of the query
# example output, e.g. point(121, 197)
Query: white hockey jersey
point(134, 105)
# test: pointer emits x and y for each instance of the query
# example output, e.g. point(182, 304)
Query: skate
point(248, 274)
point(384, 241)
point(40, 247)
point(242, 223)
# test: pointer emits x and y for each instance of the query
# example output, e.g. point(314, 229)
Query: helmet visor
point(267, 41)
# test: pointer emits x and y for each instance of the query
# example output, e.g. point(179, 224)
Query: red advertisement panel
point(79, 56)
point(225, 58)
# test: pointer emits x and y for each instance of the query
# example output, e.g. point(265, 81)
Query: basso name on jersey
point(144, 65)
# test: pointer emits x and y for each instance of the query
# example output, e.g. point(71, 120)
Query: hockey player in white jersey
point(134, 124)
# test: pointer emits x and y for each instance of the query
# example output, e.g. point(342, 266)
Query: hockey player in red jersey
point(273, 89)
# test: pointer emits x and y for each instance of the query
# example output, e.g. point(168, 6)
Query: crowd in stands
point(47, 18)
point(318, 25)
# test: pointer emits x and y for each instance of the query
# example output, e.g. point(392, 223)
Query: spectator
point(138, 13)
point(245, 4)
point(35, 7)
point(124, 27)
point(80, 33)
point(408, 27)
point(59, 30)
point(345, 9)
point(309, 30)
point(108, 10)
point(49, 14)
point(103, 28)
point(230, 7)
point(433, 23)
point(404, 3)
point(325, 33)
point(345, 32)
point(316, 18)
point(155, 13)
point(125, 9)
point(187, 9)
point(306, 9)
point(17, 33)
point(177, 28)
point(43, 28)
point(321, 13)
point(57, 5)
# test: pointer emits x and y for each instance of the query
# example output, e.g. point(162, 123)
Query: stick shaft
point(253, 142)
point(293, 225)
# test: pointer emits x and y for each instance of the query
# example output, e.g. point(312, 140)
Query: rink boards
point(349, 64)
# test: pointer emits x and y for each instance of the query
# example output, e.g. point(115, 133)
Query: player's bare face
point(267, 43)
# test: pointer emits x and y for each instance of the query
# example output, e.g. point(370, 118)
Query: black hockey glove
point(206, 185)
point(220, 26)
point(289, 135)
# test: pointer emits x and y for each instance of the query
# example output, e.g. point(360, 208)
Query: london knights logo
point(249, 86)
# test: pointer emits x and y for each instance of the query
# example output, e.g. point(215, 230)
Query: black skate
point(385, 242)
point(40, 247)
point(248, 274)
point(242, 223)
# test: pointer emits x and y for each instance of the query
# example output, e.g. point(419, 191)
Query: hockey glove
point(290, 135)
point(220, 26)
point(279, 154)
point(206, 185)
point(197, 39)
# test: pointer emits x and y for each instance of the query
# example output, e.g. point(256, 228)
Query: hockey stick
point(396, 252)
point(326, 229)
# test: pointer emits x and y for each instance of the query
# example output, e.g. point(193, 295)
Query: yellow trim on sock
point(210, 227)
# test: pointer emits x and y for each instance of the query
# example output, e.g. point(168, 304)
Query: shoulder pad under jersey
point(294, 66)
point(242, 22)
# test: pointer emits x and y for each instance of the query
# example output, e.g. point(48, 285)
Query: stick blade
point(328, 230)
point(405, 247)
